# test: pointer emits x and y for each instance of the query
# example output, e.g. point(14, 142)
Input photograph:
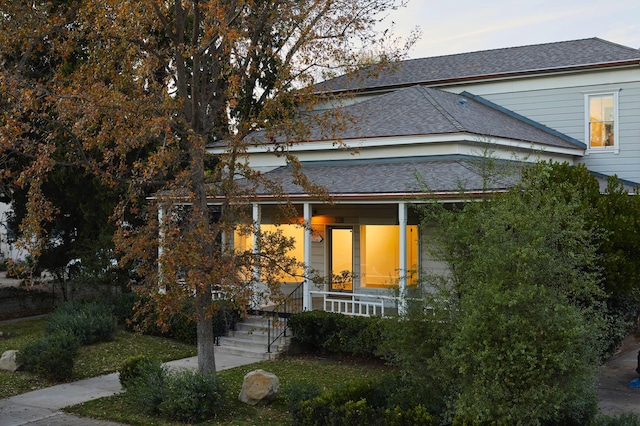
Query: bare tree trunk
point(205, 336)
point(206, 352)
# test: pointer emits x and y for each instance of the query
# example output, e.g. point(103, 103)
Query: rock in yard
point(8, 361)
point(259, 387)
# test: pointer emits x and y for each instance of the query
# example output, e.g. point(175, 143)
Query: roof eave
point(369, 197)
point(487, 77)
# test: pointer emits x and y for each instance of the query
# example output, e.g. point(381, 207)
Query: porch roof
point(401, 177)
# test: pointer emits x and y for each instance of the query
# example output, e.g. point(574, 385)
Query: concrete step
point(251, 339)
point(243, 351)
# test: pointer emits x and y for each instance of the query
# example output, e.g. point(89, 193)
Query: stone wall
point(18, 302)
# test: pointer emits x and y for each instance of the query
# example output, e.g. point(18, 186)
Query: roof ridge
point(425, 91)
point(616, 44)
point(496, 49)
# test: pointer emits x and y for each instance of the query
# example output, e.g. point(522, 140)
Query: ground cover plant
point(92, 360)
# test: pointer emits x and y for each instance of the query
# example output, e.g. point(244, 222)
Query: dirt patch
point(615, 397)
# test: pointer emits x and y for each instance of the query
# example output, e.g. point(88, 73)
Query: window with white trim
point(602, 122)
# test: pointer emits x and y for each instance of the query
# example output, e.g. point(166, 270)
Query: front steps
point(250, 339)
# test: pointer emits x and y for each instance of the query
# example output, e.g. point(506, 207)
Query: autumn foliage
point(133, 91)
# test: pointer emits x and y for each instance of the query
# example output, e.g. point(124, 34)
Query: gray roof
point(400, 177)
point(539, 58)
point(420, 110)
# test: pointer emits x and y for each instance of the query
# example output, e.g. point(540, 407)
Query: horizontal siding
point(625, 164)
point(563, 109)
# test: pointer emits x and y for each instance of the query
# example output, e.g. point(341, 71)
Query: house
point(436, 119)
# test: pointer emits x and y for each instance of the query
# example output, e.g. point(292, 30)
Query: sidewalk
point(42, 407)
point(614, 394)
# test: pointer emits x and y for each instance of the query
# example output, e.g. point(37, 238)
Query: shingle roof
point(420, 110)
point(399, 176)
point(539, 58)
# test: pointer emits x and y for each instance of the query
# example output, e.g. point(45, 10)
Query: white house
point(573, 101)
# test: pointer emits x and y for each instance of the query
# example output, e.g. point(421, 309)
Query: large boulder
point(259, 387)
point(8, 361)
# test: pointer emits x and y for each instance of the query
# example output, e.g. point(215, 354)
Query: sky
point(456, 26)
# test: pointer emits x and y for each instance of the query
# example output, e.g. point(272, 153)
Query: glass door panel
point(341, 258)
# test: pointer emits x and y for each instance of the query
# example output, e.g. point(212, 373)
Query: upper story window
point(602, 122)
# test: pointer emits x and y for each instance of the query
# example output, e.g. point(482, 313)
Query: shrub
point(354, 413)
point(414, 416)
point(191, 397)
point(147, 388)
point(361, 402)
point(123, 309)
point(135, 367)
point(51, 357)
point(627, 419)
point(356, 403)
point(336, 333)
point(90, 322)
point(295, 394)
point(182, 396)
point(179, 325)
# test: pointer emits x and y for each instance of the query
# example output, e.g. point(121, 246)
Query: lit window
point(380, 254)
point(602, 121)
point(244, 242)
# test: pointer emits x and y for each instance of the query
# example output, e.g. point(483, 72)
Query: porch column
point(161, 288)
point(257, 287)
point(402, 221)
point(306, 286)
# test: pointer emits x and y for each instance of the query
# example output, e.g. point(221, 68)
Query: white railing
point(363, 305)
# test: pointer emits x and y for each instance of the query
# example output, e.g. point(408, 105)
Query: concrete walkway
point(42, 407)
point(614, 394)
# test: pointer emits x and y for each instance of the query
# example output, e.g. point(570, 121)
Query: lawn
point(327, 373)
point(94, 360)
point(108, 357)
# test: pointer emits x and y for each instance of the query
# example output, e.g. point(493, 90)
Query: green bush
point(355, 413)
point(179, 325)
point(414, 416)
point(147, 388)
point(361, 402)
point(182, 396)
point(296, 393)
point(356, 403)
point(135, 367)
point(51, 357)
point(336, 333)
point(89, 321)
point(123, 309)
point(191, 397)
point(622, 420)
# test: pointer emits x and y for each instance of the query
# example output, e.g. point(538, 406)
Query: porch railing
point(352, 304)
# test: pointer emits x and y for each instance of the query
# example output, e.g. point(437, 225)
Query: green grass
point(15, 335)
point(326, 373)
point(94, 360)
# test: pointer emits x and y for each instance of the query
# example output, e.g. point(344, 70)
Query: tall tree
point(134, 90)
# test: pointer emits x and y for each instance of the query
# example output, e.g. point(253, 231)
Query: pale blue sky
point(455, 26)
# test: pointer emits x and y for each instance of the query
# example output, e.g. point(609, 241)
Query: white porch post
point(306, 286)
point(257, 288)
point(161, 288)
point(402, 221)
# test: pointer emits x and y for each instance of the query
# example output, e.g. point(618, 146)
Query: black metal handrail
point(278, 316)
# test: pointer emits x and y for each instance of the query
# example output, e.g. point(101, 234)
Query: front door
point(341, 258)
